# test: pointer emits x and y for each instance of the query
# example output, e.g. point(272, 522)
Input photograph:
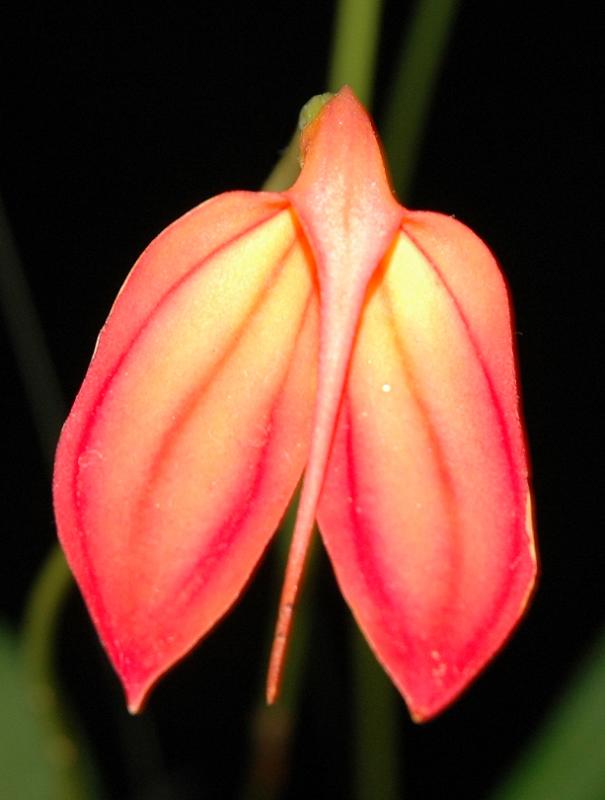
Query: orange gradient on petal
point(167, 539)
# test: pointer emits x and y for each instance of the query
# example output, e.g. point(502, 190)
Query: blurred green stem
point(413, 86)
point(354, 47)
point(39, 634)
point(41, 622)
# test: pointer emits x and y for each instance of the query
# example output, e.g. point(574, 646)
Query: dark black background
point(117, 119)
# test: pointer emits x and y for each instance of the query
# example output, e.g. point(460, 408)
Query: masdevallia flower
point(324, 332)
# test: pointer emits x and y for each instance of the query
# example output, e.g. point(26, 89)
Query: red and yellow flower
point(324, 332)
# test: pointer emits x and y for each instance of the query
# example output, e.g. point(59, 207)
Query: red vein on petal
point(446, 481)
point(191, 401)
point(500, 417)
point(518, 518)
point(363, 538)
point(190, 404)
point(202, 571)
point(99, 612)
point(223, 539)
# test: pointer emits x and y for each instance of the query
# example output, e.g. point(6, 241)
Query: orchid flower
point(325, 332)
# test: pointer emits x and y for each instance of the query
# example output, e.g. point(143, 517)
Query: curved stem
point(66, 753)
point(41, 618)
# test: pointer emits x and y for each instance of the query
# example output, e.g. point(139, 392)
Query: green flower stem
point(41, 623)
point(565, 759)
point(354, 47)
point(413, 87)
point(69, 760)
